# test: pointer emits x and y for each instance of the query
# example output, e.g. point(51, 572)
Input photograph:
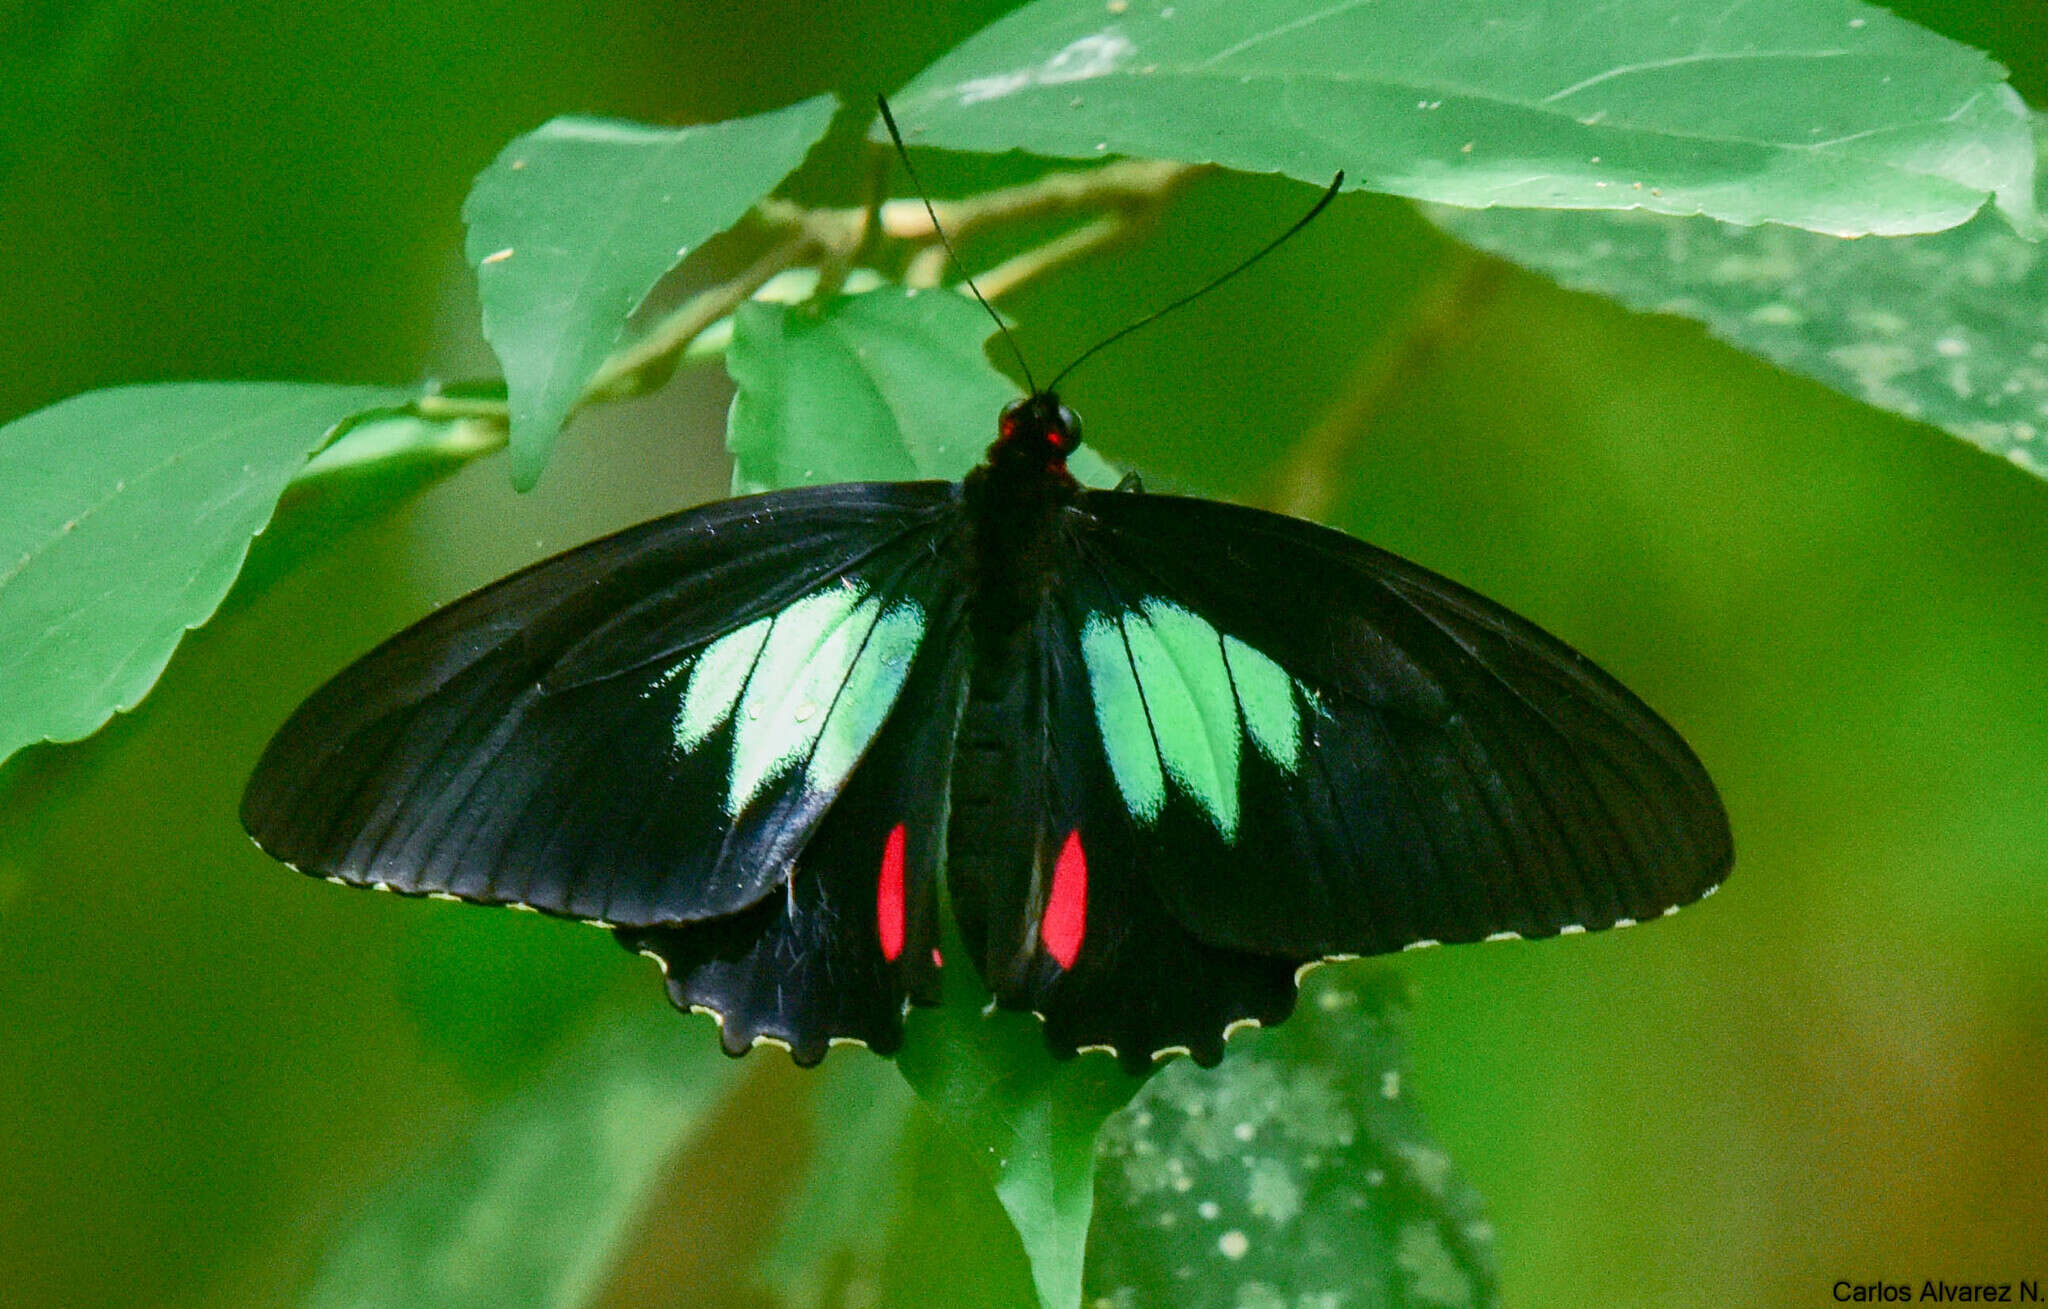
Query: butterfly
point(1150, 755)
point(1144, 758)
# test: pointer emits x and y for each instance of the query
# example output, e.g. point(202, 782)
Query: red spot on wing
point(1066, 909)
point(889, 896)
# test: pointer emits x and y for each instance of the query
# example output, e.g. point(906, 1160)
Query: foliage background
point(1834, 1069)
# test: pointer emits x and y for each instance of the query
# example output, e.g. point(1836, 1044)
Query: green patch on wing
point(1179, 660)
point(869, 691)
point(810, 684)
point(1174, 698)
point(1120, 717)
point(716, 680)
point(1265, 694)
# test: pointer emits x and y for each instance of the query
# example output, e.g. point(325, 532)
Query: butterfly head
point(1037, 430)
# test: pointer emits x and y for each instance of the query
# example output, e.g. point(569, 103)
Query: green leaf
point(1031, 1120)
point(124, 518)
point(398, 443)
point(1950, 329)
point(893, 1210)
point(1826, 114)
point(839, 1227)
point(1297, 1173)
point(574, 223)
point(531, 1207)
point(951, 1245)
point(891, 385)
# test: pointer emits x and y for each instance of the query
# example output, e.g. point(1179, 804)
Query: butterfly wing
point(854, 932)
point(1237, 743)
point(1051, 878)
point(643, 731)
point(1297, 746)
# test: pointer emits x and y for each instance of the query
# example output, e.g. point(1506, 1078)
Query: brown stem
point(1307, 484)
point(1131, 191)
point(832, 275)
point(624, 373)
point(1126, 183)
point(927, 268)
point(1034, 263)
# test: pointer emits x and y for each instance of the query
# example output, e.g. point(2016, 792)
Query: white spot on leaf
point(1093, 56)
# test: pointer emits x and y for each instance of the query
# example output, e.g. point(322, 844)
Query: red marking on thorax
point(1066, 909)
point(889, 896)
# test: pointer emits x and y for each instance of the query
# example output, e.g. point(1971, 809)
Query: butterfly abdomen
point(985, 831)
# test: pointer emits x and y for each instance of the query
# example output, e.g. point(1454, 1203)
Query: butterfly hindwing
point(1047, 873)
point(642, 731)
point(1109, 966)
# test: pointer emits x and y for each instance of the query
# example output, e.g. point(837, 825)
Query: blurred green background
point(1835, 1069)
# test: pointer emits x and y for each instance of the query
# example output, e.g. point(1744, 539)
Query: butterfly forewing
point(854, 931)
point(642, 731)
point(1349, 754)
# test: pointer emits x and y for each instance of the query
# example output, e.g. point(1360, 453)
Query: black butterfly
point(1156, 754)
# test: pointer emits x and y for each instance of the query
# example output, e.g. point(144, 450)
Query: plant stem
point(1131, 191)
point(832, 276)
point(1307, 484)
point(625, 372)
point(455, 407)
point(1125, 184)
point(1036, 262)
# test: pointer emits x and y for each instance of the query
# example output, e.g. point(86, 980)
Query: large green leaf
point(952, 1245)
point(574, 223)
point(839, 1226)
point(1031, 1120)
point(1826, 114)
point(532, 1207)
point(893, 1212)
point(1951, 329)
point(1298, 1173)
point(124, 518)
point(891, 385)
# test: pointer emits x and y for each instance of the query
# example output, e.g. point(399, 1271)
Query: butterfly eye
point(1012, 418)
point(1066, 435)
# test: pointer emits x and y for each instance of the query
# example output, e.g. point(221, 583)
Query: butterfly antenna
point(952, 256)
point(1336, 184)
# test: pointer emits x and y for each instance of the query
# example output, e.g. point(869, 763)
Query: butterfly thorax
point(1015, 503)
